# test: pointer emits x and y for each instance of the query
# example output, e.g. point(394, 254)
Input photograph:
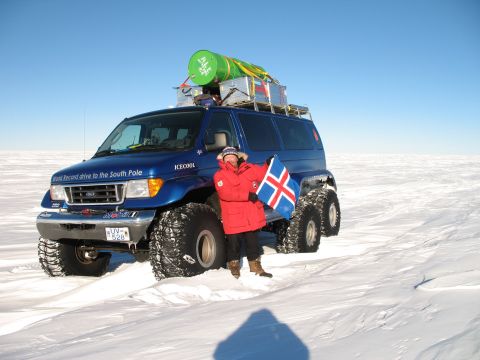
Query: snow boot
point(256, 267)
point(234, 267)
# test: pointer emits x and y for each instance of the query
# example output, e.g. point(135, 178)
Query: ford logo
point(89, 194)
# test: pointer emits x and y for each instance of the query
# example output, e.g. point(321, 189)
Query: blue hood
point(128, 166)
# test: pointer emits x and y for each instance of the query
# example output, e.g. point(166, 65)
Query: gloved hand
point(269, 160)
point(252, 197)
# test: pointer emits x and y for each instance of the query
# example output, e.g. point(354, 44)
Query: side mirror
point(220, 141)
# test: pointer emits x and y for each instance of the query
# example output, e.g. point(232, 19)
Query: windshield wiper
point(143, 147)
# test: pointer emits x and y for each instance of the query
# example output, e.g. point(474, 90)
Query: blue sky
point(379, 76)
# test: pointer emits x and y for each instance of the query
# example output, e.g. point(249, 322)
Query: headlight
point(57, 192)
point(143, 188)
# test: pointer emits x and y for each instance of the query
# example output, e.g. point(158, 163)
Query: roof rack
point(299, 111)
point(246, 93)
point(288, 110)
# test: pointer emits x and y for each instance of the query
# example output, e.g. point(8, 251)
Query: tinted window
point(259, 131)
point(294, 134)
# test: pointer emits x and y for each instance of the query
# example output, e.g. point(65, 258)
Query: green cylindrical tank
point(208, 68)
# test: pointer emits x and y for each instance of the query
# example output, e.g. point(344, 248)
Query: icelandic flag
point(278, 190)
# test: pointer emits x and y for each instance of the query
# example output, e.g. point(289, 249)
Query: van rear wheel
point(302, 232)
point(327, 202)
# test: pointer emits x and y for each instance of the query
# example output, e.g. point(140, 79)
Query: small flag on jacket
point(278, 190)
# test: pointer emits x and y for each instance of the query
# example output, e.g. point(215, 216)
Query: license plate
point(117, 234)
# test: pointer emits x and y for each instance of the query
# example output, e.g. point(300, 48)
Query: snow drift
point(401, 281)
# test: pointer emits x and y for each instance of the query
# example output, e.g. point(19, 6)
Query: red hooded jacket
point(233, 185)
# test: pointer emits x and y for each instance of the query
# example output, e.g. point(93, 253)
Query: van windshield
point(175, 131)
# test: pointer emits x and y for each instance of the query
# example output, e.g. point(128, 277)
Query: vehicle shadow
point(262, 336)
point(119, 259)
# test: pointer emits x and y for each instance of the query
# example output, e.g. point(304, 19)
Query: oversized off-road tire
point(327, 202)
point(302, 232)
point(63, 258)
point(186, 241)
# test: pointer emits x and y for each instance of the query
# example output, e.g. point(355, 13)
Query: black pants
point(251, 245)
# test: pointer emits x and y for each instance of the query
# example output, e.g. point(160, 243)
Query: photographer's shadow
point(262, 336)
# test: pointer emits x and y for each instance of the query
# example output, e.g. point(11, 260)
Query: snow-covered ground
point(401, 281)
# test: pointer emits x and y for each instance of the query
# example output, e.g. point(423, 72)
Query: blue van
point(148, 190)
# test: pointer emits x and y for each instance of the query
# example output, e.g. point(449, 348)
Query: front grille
point(98, 194)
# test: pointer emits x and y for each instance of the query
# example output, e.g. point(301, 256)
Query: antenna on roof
point(84, 127)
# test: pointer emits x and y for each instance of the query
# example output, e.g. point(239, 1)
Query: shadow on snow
point(262, 336)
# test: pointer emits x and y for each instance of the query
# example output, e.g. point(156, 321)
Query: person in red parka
point(242, 213)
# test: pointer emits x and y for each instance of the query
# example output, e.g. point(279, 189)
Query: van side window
point(294, 134)
point(221, 122)
point(259, 131)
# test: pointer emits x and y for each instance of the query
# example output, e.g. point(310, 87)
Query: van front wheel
point(71, 257)
point(187, 241)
